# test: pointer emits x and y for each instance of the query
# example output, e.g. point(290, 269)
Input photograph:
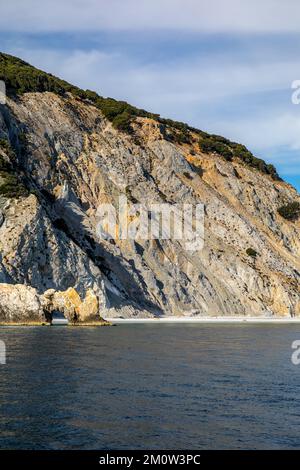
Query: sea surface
point(167, 386)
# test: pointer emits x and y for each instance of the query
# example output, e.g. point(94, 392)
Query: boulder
point(20, 303)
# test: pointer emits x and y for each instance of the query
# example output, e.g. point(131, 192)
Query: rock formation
point(20, 303)
point(71, 159)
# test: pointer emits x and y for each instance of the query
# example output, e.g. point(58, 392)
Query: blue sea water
point(167, 386)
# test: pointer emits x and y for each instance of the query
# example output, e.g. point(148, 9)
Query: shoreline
point(224, 320)
point(163, 320)
point(35, 323)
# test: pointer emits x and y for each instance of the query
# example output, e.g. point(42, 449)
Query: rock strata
point(72, 160)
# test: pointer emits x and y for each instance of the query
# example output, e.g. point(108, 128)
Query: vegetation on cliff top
point(230, 150)
point(20, 77)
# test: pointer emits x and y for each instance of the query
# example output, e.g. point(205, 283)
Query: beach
point(225, 319)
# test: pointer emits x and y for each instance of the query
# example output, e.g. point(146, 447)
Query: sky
point(226, 67)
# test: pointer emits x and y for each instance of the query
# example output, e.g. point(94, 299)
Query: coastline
point(225, 320)
point(163, 320)
point(36, 323)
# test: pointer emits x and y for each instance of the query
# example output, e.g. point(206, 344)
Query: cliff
point(62, 153)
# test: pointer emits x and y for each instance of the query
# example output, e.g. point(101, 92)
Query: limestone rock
point(19, 303)
point(76, 160)
point(89, 308)
point(70, 304)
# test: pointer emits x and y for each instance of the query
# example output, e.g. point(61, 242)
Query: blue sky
point(225, 67)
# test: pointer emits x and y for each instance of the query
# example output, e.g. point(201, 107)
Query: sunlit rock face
point(19, 303)
point(70, 304)
point(73, 160)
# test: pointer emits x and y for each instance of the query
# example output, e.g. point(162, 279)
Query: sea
point(149, 386)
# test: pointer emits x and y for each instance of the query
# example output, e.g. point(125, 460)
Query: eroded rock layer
point(72, 159)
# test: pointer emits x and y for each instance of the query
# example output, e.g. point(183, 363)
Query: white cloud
point(254, 79)
point(275, 129)
point(211, 16)
point(187, 91)
point(203, 81)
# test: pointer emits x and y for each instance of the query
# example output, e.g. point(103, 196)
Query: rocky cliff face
point(72, 159)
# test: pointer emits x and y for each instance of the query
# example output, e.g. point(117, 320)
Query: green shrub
point(228, 150)
point(6, 147)
point(91, 95)
point(4, 164)
point(211, 144)
point(251, 252)
point(182, 137)
point(177, 131)
point(290, 211)
point(11, 187)
point(111, 108)
point(122, 122)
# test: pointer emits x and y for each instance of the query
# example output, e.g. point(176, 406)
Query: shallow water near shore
point(166, 386)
